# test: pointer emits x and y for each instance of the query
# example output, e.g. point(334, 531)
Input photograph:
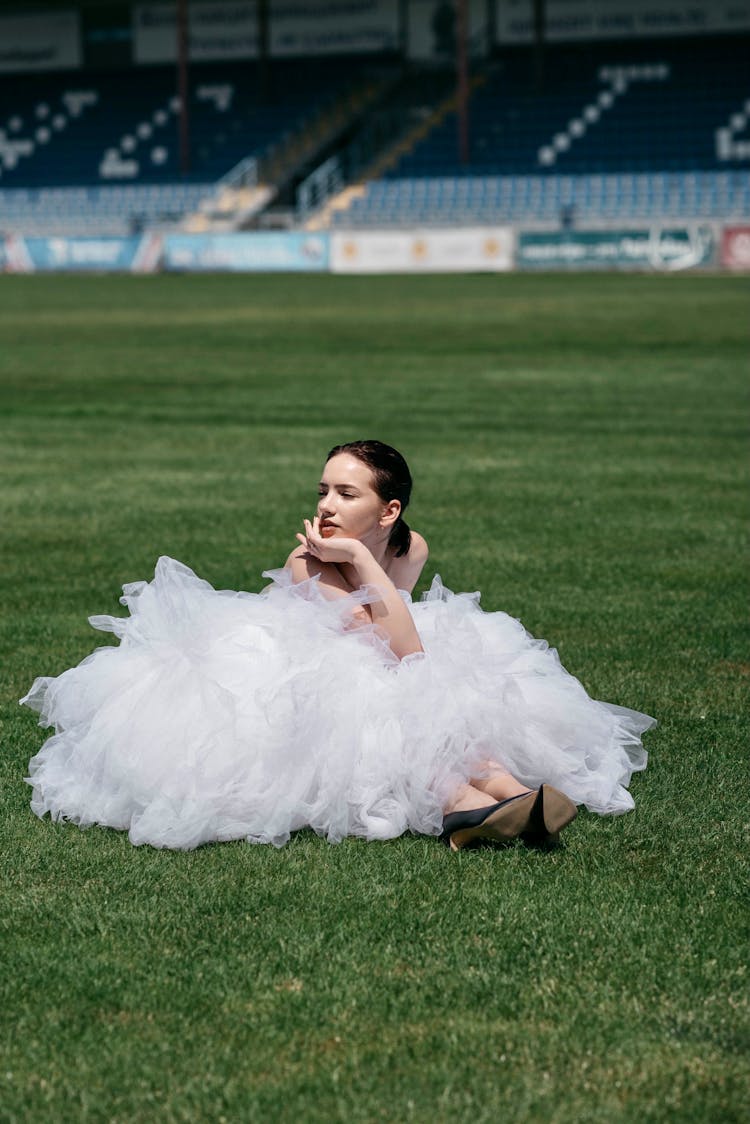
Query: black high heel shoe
point(502, 822)
point(551, 811)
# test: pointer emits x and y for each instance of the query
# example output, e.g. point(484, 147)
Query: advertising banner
point(619, 19)
point(17, 259)
point(458, 250)
point(246, 253)
point(735, 248)
point(327, 27)
point(28, 42)
point(49, 255)
point(658, 248)
point(215, 31)
point(228, 29)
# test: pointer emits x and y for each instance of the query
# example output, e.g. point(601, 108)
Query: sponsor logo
point(660, 248)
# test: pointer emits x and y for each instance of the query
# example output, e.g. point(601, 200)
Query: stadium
point(359, 136)
point(510, 238)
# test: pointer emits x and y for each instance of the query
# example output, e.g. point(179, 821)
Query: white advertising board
point(28, 42)
point(332, 27)
point(478, 249)
point(228, 29)
point(216, 31)
point(619, 19)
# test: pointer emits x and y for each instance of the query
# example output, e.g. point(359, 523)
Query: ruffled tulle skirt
point(224, 715)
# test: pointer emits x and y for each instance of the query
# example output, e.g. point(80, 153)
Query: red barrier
point(735, 247)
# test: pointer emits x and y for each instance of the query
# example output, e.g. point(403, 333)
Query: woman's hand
point(328, 550)
point(390, 611)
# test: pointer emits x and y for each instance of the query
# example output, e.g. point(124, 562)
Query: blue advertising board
point(63, 254)
point(2, 254)
point(253, 252)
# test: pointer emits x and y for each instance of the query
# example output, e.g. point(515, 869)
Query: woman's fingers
point(308, 540)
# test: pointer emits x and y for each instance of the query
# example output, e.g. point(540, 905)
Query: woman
point(328, 701)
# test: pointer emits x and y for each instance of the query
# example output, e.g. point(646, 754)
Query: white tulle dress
point(224, 715)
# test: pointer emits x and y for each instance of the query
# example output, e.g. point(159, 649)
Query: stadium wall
point(661, 247)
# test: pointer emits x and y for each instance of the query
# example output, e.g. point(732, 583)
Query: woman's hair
point(392, 481)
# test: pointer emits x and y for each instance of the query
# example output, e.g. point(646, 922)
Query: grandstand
point(621, 131)
point(78, 156)
point(605, 108)
point(55, 132)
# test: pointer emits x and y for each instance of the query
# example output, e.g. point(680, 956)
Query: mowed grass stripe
point(579, 448)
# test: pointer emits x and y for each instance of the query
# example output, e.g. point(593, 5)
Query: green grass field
point(579, 449)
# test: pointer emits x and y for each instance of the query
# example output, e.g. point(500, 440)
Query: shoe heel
point(552, 811)
point(559, 810)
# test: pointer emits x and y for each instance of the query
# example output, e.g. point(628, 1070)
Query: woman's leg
point(484, 791)
point(498, 784)
point(467, 797)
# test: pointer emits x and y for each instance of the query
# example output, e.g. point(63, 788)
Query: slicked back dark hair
point(391, 479)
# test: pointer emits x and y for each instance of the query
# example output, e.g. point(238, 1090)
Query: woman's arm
point(390, 612)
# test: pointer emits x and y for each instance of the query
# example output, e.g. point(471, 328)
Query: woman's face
point(348, 505)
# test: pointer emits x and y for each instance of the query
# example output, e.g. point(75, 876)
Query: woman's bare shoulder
point(418, 548)
point(298, 552)
point(302, 564)
point(404, 571)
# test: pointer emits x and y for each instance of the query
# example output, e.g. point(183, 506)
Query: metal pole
point(182, 84)
point(402, 33)
point(264, 51)
point(540, 28)
point(462, 78)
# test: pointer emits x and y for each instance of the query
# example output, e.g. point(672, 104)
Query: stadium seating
point(619, 132)
point(57, 131)
point(96, 211)
point(677, 106)
point(555, 199)
point(638, 131)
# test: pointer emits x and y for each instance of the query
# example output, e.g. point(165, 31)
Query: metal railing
point(319, 186)
point(244, 174)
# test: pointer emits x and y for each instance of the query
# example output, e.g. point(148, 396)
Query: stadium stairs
point(428, 118)
point(237, 206)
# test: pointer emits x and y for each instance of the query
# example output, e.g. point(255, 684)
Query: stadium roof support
point(540, 27)
point(264, 49)
point(182, 84)
point(462, 79)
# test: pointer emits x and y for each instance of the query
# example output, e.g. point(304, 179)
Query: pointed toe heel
point(501, 822)
point(552, 811)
